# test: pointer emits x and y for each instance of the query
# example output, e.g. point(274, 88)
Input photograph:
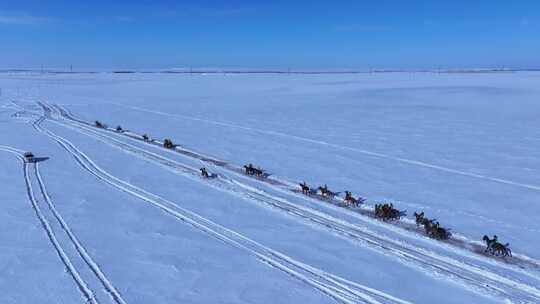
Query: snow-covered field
point(108, 218)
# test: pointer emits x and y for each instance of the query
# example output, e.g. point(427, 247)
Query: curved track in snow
point(61, 250)
point(83, 253)
point(485, 281)
point(338, 288)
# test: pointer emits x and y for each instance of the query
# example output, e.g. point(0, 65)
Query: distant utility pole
point(71, 68)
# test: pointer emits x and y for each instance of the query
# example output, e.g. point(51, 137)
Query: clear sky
point(269, 34)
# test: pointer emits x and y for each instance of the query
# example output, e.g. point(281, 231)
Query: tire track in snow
point(482, 280)
point(79, 281)
point(340, 289)
point(342, 147)
point(109, 287)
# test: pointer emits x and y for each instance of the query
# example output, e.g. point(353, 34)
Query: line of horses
point(387, 212)
point(432, 227)
point(383, 211)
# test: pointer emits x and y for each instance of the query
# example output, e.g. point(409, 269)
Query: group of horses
point(251, 170)
point(326, 193)
point(385, 212)
point(432, 227)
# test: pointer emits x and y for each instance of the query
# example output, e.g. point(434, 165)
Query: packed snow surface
point(105, 217)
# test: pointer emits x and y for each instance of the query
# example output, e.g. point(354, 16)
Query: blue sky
point(269, 34)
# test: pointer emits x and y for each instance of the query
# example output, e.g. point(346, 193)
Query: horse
point(305, 188)
point(499, 249)
point(167, 143)
point(351, 200)
point(205, 174)
point(440, 233)
point(327, 193)
point(99, 124)
point(387, 212)
point(323, 189)
point(495, 248)
point(489, 242)
point(257, 172)
point(145, 137)
point(250, 170)
point(420, 218)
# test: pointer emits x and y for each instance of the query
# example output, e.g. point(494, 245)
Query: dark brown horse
point(251, 170)
point(420, 218)
point(349, 199)
point(167, 143)
point(326, 192)
point(387, 212)
point(501, 250)
point(305, 188)
point(495, 248)
point(434, 230)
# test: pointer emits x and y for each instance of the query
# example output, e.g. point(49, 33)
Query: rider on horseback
point(305, 188)
point(490, 242)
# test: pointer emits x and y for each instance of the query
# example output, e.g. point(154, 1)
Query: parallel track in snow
point(479, 279)
point(338, 288)
point(81, 250)
point(60, 249)
point(412, 162)
point(289, 187)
